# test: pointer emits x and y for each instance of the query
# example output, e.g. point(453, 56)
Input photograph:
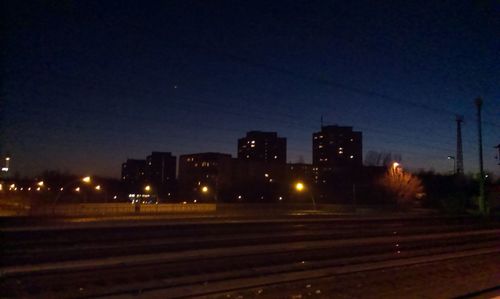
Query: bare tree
point(374, 158)
point(404, 186)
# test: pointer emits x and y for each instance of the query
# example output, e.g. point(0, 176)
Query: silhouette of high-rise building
point(337, 148)
point(263, 147)
point(203, 175)
point(134, 171)
point(160, 173)
point(133, 175)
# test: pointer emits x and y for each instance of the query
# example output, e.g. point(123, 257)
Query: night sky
point(88, 84)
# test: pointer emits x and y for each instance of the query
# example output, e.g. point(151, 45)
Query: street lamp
point(301, 187)
point(396, 168)
point(204, 189)
point(85, 180)
point(454, 163)
point(147, 188)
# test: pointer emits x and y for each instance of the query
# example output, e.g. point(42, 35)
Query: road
point(291, 257)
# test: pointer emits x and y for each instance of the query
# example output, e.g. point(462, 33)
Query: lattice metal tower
point(460, 155)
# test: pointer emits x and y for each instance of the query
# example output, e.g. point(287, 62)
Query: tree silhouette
point(404, 187)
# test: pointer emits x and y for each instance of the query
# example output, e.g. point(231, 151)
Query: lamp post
point(85, 180)
point(483, 209)
point(301, 187)
point(454, 163)
point(99, 189)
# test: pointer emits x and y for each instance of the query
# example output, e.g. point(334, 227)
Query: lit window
point(275, 157)
point(320, 136)
point(351, 156)
point(266, 175)
point(320, 146)
point(248, 156)
point(253, 141)
point(252, 145)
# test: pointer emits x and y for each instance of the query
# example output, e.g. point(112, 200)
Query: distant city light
point(86, 179)
point(40, 183)
point(77, 189)
point(204, 189)
point(147, 188)
point(98, 187)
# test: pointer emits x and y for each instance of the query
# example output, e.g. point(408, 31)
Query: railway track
point(169, 259)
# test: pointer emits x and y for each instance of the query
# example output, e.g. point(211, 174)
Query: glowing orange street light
point(300, 187)
point(147, 188)
point(204, 189)
point(86, 179)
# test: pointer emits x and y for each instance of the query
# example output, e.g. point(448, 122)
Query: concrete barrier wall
point(120, 209)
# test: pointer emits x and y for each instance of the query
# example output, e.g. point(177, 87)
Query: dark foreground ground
point(288, 256)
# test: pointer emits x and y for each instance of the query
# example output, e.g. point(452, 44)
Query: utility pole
point(483, 209)
point(459, 169)
point(498, 154)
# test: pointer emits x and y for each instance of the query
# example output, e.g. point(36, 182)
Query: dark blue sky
point(89, 84)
